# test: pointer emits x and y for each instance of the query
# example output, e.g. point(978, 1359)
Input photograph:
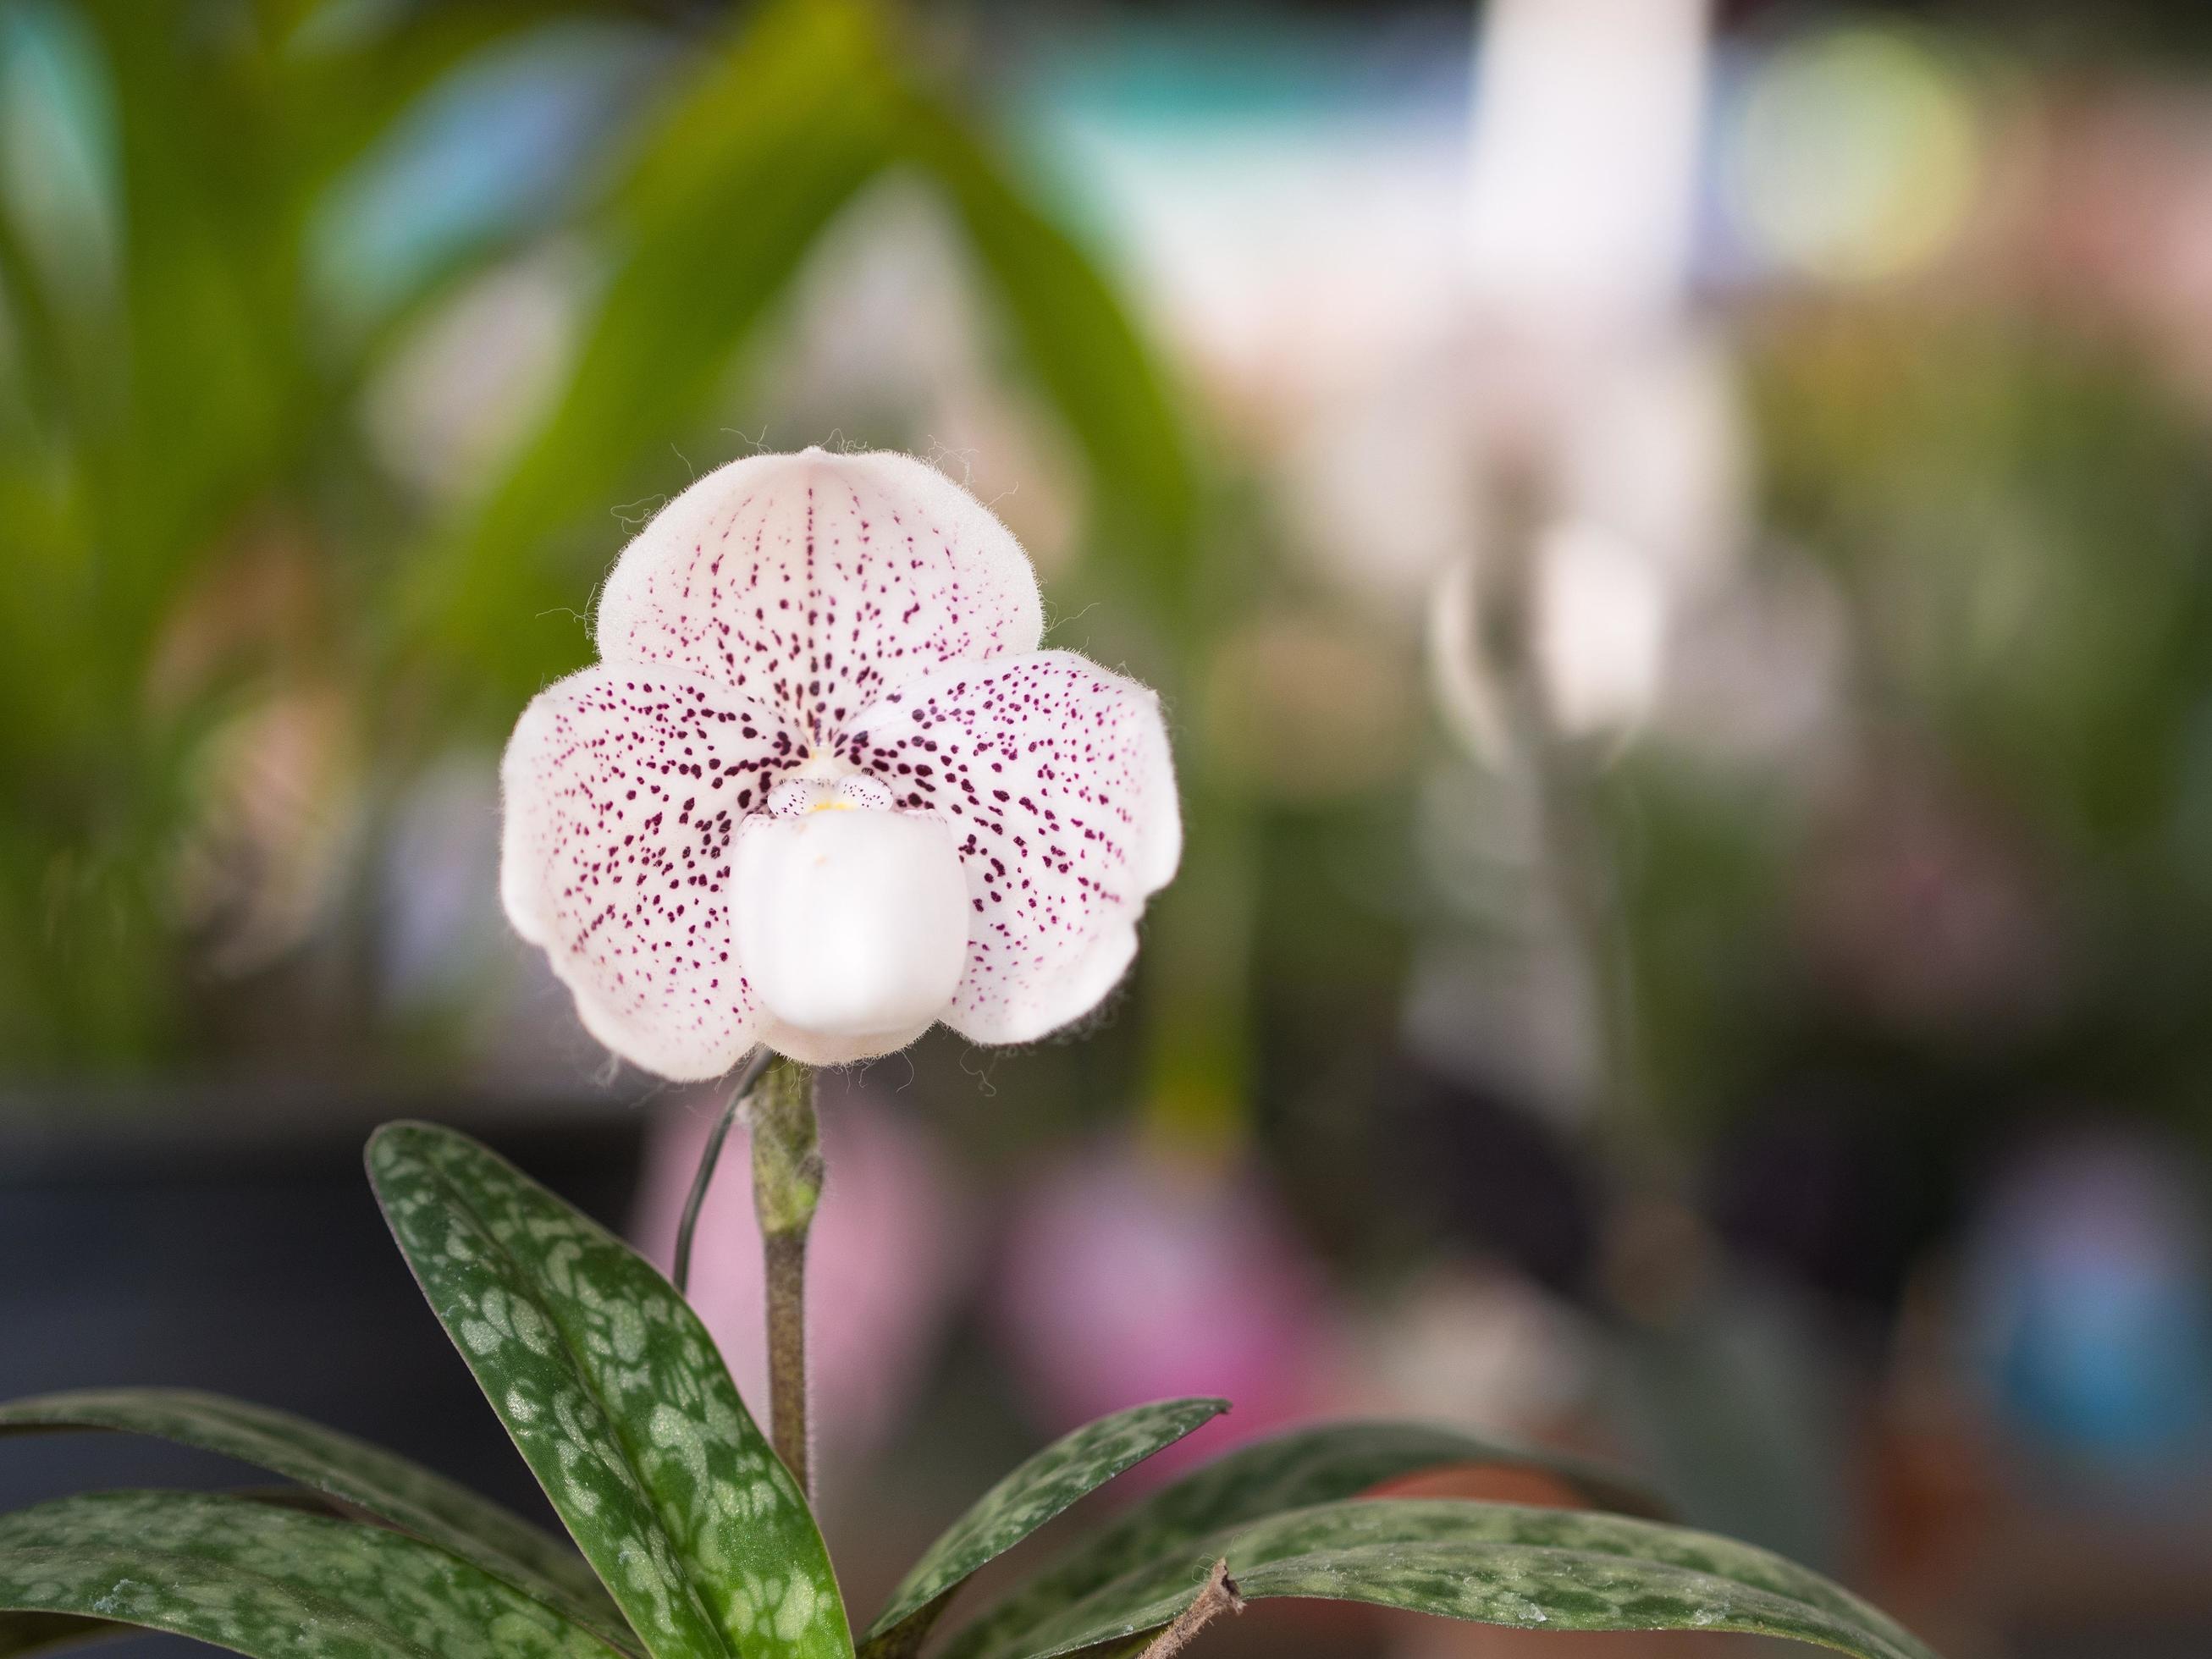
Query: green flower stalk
point(787, 1187)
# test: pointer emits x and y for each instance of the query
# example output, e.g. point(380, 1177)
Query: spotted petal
point(1057, 776)
point(624, 787)
point(814, 583)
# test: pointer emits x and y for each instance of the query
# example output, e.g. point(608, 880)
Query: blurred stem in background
point(1493, 678)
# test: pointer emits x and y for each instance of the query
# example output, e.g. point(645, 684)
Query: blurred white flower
point(1634, 461)
point(1598, 614)
point(1588, 116)
point(1600, 628)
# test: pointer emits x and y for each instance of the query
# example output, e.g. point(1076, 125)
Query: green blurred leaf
point(613, 1391)
point(343, 89)
point(413, 1498)
point(1290, 1471)
point(729, 191)
point(28, 327)
point(1075, 336)
point(1497, 1563)
point(1040, 1489)
point(265, 1581)
point(187, 397)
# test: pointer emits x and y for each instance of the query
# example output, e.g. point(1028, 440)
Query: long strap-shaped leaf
point(734, 180)
point(269, 1581)
point(1499, 1564)
point(1077, 339)
point(1040, 1489)
point(616, 1395)
point(36, 1633)
point(411, 1497)
point(1286, 1472)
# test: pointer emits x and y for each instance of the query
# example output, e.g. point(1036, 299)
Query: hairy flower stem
point(787, 1186)
point(1221, 1596)
point(748, 1075)
point(1575, 858)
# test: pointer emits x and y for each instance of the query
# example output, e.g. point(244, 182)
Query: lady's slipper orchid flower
point(823, 790)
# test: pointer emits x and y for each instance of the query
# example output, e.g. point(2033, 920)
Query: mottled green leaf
point(1498, 1564)
point(1063, 1472)
point(1286, 1472)
point(35, 1632)
point(269, 1581)
point(613, 1391)
point(386, 1485)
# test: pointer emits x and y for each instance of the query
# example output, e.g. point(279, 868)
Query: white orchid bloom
point(823, 790)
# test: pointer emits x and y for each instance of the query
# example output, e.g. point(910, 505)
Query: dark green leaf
point(1288, 1472)
point(269, 1581)
point(386, 1485)
point(1042, 1487)
point(613, 1391)
point(31, 1633)
point(1498, 1564)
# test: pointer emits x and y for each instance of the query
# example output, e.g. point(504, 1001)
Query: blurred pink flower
point(1929, 909)
point(1127, 1280)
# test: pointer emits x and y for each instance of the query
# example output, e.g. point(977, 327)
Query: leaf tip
point(393, 1140)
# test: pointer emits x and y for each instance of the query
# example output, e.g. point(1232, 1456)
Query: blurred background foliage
point(1677, 540)
point(226, 224)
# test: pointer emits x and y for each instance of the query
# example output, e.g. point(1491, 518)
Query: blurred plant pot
point(226, 1239)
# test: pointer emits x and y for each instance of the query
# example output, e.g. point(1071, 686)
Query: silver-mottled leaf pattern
point(390, 1487)
point(1498, 1563)
point(269, 1581)
point(1076, 1464)
point(1285, 1472)
point(615, 1394)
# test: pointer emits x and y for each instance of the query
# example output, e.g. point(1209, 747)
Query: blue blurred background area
point(1677, 541)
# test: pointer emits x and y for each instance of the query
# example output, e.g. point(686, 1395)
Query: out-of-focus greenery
point(193, 298)
point(223, 224)
point(1996, 894)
